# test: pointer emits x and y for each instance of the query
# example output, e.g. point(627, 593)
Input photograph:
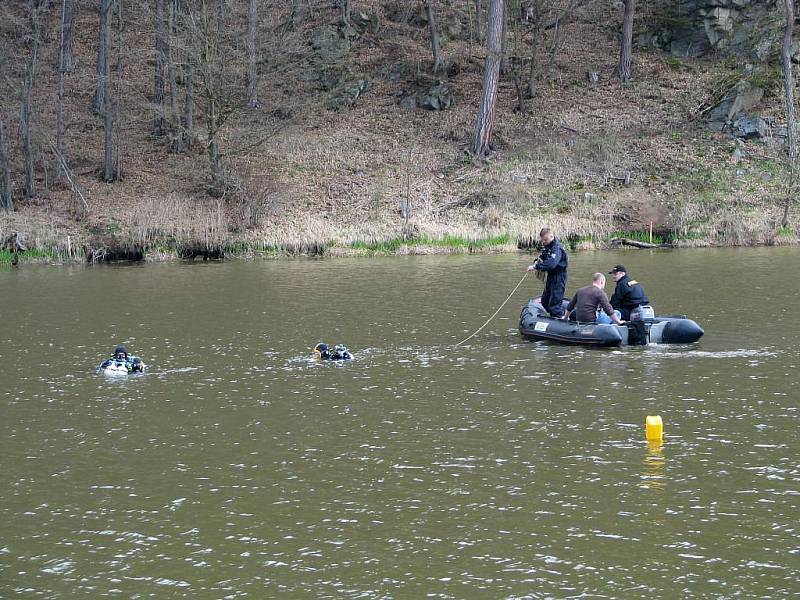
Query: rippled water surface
point(239, 467)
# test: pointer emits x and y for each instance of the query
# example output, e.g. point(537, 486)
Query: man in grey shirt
point(589, 299)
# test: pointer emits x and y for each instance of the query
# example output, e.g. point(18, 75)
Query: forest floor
point(592, 161)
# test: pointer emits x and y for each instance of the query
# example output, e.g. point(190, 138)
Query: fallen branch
point(76, 191)
point(635, 244)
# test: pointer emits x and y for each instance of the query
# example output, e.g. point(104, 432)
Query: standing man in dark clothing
point(553, 261)
point(629, 293)
point(589, 299)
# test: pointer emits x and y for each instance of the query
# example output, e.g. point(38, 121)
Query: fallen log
point(635, 244)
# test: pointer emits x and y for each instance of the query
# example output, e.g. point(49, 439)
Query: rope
point(495, 312)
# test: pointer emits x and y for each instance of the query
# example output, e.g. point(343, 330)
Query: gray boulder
point(742, 98)
point(750, 127)
point(439, 97)
point(346, 94)
point(329, 44)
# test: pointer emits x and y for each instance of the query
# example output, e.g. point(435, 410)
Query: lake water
point(240, 467)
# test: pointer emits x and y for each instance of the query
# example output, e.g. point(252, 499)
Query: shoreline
point(115, 250)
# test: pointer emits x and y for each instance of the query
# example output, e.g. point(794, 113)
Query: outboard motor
point(643, 313)
point(638, 333)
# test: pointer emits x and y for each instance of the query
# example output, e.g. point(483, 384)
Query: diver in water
point(121, 357)
point(339, 352)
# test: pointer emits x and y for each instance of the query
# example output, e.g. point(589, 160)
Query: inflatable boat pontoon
point(536, 324)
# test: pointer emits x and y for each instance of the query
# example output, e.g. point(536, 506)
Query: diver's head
point(120, 352)
point(320, 349)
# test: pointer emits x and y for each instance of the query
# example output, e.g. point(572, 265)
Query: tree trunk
point(209, 64)
point(174, 115)
point(345, 12)
point(158, 74)
point(108, 115)
point(297, 13)
point(484, 126)
point(188, 108)
point(118, 168)
point(479, 21)
point(99, 103)
point(436, 47)
point(504, 41)
point(26, 116)
point(627, 42)
point(252, 64)
point(66, 57)
point(62, 71)
point(6, 199)
point(791, 117)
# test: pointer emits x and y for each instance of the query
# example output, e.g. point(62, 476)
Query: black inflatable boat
point(536, 324)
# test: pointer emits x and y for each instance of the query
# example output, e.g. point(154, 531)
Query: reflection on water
point(239, 466)
point(654, 473)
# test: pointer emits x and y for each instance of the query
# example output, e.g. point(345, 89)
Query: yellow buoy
point(654, 427)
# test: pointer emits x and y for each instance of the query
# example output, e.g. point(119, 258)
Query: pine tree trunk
point(627, 42)
point(26, 113)
point(158, 75)
point(791, 116)
point(252, 55)
point(484, 126)
point(6, 199)
point(436, 46)
point(99, 103)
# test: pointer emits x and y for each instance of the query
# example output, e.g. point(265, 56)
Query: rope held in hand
point(495, 312)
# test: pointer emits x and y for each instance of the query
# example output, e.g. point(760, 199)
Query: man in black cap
point(629, 293)
point(553, 261)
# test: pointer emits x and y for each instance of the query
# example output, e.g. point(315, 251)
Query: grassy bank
point(48, 244)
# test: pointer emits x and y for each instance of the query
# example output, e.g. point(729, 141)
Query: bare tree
point(118, 164)
point(791, 117)
point(207, 53)
point(6, 198)
point(99, 103)
point(66, 59)
point(252, 64)
point(158, 74)
point(35, 9)
point(627, 42)
point(188, 107)
point(296, 15)
point(175, 129)
point(479, 21)
point(112, 112)
point(484, 126)
point(63, 51)
point(436, 46)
